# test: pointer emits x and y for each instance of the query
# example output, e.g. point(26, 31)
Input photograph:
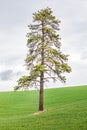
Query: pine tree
point(44, 60)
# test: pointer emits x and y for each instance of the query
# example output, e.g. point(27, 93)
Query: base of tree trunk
point(39, 112)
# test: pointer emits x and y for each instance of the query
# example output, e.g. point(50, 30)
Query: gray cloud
point(10, 11)
point(9, 74)
point(6, 75)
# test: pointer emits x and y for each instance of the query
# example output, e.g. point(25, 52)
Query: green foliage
point(40, 68)
point(65, 109)
point(44, 50)
point(23, 82)
point(16, 88)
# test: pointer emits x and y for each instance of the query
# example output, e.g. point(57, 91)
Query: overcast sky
point(14, 18)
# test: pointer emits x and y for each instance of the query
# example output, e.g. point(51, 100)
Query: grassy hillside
point(65, 109)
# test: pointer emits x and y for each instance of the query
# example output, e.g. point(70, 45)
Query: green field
point(65, 109)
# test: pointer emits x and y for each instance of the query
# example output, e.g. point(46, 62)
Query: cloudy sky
point(14, 18)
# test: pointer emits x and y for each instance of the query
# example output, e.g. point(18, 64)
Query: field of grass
point(65, 109)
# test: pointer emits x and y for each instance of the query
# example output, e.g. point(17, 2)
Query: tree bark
point(41, 95)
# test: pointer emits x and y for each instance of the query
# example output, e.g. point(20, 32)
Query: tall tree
point(44, 60)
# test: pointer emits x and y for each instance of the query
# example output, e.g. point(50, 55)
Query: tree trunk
point(41, 95)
